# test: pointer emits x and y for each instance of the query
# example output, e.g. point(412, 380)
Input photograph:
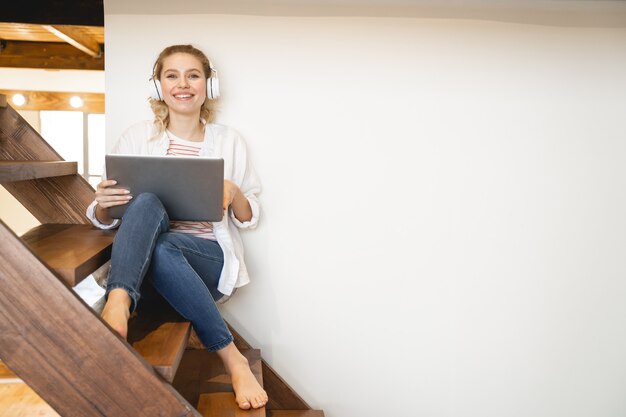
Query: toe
point(259, 402)
point(243, 403)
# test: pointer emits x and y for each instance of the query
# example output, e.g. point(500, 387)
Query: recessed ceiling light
point(19, 99)
point(76, 102)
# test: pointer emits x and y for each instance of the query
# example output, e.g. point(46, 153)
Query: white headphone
point(212, 85)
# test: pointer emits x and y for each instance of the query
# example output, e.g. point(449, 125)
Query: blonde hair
point(159, 108)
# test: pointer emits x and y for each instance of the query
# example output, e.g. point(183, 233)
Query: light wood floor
point(18, 400)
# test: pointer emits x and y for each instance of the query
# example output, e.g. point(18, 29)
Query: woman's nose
point(183, 82)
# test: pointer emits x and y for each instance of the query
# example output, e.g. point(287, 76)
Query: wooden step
point(73, 251)
point(7, 376)
point(202, 372)
point(163, 347)
point(30, 170)
point(223, 404)
point(295, 413)
point(159, 334)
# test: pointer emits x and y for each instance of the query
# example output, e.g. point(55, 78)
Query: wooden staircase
point(64, 351)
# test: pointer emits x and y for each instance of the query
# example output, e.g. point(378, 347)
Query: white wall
point(443, 229)
point(52, 80)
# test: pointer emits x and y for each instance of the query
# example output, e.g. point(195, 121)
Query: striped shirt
point(182, 147)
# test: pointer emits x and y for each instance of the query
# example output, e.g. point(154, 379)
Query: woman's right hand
point(106, 196)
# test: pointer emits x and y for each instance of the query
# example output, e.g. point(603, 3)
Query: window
point(79, 137)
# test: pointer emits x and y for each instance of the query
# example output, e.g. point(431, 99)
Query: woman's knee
point(146, 205)
point(149, 199)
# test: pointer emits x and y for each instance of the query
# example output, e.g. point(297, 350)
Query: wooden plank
point(163, 347)
point(5, 372)
point(72, 250)
point(30, 170)
point(26, 32)
point(66, 353)
point(49, 55)
point(36, 33)
point(201, 372)
point(223, 404)
point(77, 38)
point(7, 376)
point(63, 12)
point(158, 333)
point(295, 413)
point(54, 200)
point(53, 100)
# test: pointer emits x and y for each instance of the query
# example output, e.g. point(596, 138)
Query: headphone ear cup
point(155, 90)
point(212, 88)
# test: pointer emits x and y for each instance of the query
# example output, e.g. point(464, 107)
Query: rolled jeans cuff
point(221, 345)
point(132, 293)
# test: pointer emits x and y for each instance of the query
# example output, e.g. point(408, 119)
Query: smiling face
point(183, 83)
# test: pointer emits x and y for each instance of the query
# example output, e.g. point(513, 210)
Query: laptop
point(190, 188)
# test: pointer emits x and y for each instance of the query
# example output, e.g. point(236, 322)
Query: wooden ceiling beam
point(36, 33)
point(47, 55)
point(52, 100)
point(77, 38)
point(55, 12)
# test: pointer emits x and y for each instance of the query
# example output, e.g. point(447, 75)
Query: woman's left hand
point(230, 191)
point(235, 198)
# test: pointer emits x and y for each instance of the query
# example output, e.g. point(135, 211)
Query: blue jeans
point(184, 269)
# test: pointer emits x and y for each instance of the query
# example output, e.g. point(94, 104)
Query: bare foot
point(116, 311)
point(248, 391)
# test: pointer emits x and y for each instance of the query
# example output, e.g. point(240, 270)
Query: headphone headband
point(212, 69)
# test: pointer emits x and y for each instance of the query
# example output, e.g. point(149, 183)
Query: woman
point(191, 264)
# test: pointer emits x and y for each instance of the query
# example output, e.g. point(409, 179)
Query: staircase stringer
point(52, 340)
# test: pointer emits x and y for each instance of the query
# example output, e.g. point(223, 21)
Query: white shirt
point(220, 142)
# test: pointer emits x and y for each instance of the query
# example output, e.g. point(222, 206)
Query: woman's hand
point(230, 190)
point(233, 197)
point(108, 197)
